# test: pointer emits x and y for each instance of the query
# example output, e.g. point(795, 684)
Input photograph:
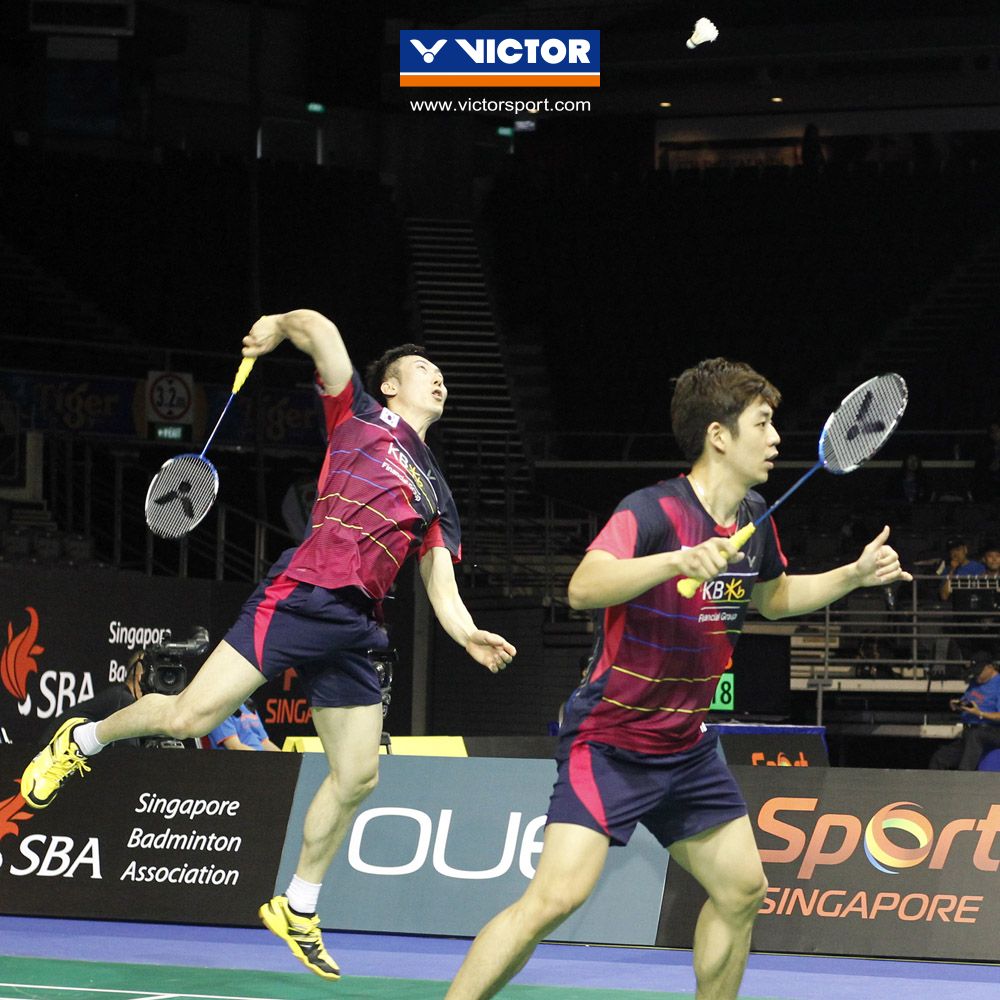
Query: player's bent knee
point(743, 897)
point(555, 904)
point(355, 787)
point(184, 720)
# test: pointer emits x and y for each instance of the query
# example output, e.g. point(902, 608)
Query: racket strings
point(180, 495)
point(862, 423)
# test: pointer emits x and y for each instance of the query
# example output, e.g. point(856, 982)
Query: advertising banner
point(66, 635)
point(443, 844)
point(900, 864)
point(188, 836)
point(773, 746)
point(121, 407)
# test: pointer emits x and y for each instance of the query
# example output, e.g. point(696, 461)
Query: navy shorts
point(324, 635)
point(675, 796)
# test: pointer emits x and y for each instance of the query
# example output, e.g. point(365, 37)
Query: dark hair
point(381, 369)
point(714, 390)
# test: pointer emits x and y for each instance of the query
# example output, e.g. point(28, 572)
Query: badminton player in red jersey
point(381, 498)
point(633, 746)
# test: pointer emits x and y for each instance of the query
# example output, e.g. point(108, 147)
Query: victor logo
point(428, 54)
point(494, 58)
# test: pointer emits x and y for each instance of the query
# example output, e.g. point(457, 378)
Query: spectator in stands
point(991, 561)
point(957, 564)
point(243, 730)
point(980, 708)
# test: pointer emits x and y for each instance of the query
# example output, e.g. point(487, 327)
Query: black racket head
point(864, 421)
point(180, 495)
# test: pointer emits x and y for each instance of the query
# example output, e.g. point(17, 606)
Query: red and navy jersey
point(657, 659)
point(380, 497)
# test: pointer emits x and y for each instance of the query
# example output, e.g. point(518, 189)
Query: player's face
point(419, 386)
point(755, 448)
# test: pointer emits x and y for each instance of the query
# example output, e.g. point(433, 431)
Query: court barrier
point(895, 864)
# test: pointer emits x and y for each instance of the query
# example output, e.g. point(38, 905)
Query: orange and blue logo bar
point(500, 58)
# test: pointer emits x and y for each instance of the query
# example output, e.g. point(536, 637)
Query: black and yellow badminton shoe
point(302, 935)
point(52, 765)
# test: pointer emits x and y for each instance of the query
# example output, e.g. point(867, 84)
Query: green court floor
point(48, 979)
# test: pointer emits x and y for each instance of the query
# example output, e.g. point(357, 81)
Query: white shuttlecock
point(704, 31)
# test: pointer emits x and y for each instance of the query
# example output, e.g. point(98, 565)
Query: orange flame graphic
point(11, 813)
point(18, 659)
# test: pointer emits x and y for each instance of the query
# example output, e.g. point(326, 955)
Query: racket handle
point(241, 374)
point(688, 587)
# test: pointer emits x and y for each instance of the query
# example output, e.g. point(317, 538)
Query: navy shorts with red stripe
point(675, 796)
point(324, 635)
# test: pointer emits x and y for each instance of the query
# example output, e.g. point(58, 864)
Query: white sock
point(85, 737)
point(303, 896)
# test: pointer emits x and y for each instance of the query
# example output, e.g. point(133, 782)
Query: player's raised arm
point(312, 333)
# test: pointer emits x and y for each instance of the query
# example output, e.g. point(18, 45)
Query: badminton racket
point(852, 434)
point(183, 491)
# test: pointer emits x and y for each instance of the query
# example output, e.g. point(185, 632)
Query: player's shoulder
point(755, 502)
point(651, 495)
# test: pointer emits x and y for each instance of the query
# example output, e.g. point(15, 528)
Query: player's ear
point(716, 436)
point(389, 388)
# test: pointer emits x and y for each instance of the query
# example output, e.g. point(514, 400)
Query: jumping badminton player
point(633, 746)
point(381, 498)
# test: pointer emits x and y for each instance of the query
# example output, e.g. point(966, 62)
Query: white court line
point(134, 994)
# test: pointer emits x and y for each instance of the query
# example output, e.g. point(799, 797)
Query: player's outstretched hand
point(879, 563)
point(491, 650)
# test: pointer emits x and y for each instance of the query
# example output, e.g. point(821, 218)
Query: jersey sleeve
point(444, 532)
point(773, 560)
point(636, 528)
point(350, 400)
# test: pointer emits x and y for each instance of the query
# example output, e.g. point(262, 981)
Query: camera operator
point(156, 669)
point(980, 708)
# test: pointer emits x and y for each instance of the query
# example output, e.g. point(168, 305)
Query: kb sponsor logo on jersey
point(724, 589)
point(499, 58)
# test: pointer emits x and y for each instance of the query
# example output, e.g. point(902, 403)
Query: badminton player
point(381, 498)
point(633, 745)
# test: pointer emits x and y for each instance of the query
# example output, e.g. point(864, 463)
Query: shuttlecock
point(704, 31)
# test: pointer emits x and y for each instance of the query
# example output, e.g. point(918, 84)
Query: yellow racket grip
point(241, 374)
point(688, 587)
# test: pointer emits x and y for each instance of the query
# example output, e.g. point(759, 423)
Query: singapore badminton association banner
point(185, 836)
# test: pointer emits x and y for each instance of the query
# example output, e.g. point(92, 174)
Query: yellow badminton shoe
point(302, 935)
point(52, 765)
